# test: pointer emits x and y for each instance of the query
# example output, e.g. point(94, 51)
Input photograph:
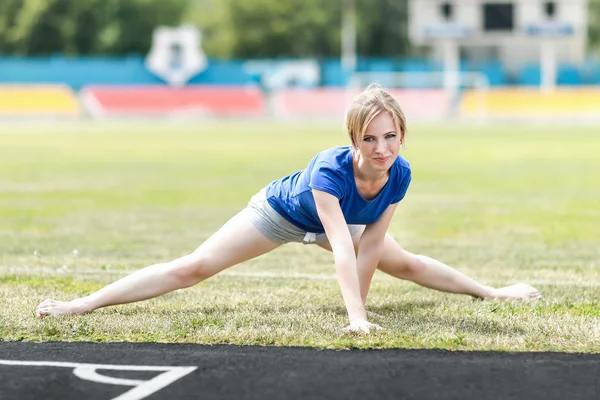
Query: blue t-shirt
point(331, 171)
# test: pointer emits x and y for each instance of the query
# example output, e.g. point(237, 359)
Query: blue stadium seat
point(595, 75)
point(416, 65)
point(495, 73)
point(333, 74)
point(225, 73)
point(381, 65)
point(567, 74)
point(529, 75)
point(76, 72)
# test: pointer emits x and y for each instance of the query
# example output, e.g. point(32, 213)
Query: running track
point(129, 371)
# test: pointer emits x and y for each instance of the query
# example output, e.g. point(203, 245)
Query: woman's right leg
point(236, 241)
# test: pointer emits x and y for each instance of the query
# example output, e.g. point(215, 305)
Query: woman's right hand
point(361, 326)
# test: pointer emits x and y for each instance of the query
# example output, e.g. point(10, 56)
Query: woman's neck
point(362, 172)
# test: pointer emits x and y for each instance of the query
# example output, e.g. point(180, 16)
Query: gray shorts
point(278, 229)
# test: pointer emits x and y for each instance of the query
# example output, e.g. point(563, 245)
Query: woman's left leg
point(433, 274)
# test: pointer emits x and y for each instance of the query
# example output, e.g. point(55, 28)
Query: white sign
point(550, 29)
point(283, 74)
point(447, 31)
point(176, 55)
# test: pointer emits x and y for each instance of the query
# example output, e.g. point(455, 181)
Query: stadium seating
point(160, 100)
point(568, 75)
point(76, 72)
point(580, 102)
point(38, 100)
point(529, 75)
point(124, 86)
point(494, 72)
point(332, 102)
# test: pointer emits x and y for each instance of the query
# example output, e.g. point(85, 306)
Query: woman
point(342, 201)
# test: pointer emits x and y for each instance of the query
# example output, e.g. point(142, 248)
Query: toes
point(43, 310)
point(46, 302)
point(535, 295)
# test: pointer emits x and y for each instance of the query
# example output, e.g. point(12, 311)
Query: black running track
point(63, 371)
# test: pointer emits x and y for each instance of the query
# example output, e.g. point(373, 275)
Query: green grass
point(83, 204)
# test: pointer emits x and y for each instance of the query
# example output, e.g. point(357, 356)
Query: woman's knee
point(406, 266)
point(190, 269)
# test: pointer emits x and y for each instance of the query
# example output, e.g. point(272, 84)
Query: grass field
point(83, 204)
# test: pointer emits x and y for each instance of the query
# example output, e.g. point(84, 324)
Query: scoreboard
point(487, 21)
point(514, 32)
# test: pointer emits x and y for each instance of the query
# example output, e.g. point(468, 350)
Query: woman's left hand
point(361, 326)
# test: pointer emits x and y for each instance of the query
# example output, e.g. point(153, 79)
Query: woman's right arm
point(332, 218)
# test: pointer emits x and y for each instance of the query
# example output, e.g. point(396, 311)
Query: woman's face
point(381, 143)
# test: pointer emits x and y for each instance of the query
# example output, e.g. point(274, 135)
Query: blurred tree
point(594, 26)
point(231, 28)
point(41, 27)
point(383, 28)
point(298, 28)
point(267, 28)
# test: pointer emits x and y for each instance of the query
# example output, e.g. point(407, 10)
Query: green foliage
point(298, 28)
point(382, 28)
point(42, 27)
point(268, 28)
point(594, 26)
point(231, 28)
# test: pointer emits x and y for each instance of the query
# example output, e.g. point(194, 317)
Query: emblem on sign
point(176, 55)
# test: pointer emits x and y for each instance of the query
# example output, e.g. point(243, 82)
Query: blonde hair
point(366, 106)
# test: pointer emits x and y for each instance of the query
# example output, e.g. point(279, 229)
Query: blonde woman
point(343, 201)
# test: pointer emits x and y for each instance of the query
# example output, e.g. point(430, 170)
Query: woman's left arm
point(370, 249)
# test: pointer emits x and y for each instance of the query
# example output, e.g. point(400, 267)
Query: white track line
point(141, 388)
point(274, 275)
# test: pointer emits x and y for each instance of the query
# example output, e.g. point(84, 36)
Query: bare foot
point(518, 291)
point(56, 308)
